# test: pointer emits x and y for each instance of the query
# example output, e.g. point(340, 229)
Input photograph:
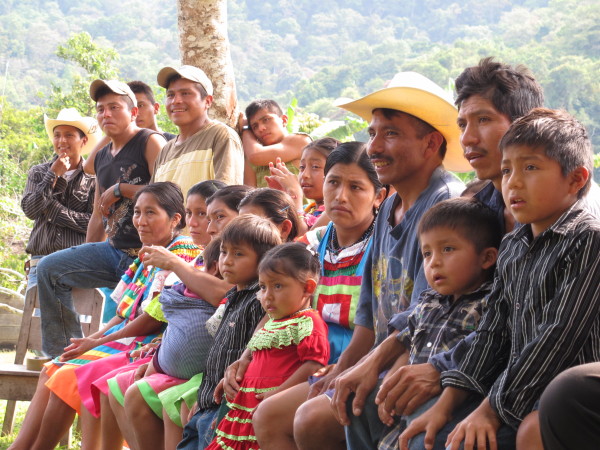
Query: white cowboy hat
point(71, 117)
point(418, 96)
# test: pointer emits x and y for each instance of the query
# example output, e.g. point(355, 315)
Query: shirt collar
point(564, 225)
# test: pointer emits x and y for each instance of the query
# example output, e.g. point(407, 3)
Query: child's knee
point(133, 399)
point(528, 434)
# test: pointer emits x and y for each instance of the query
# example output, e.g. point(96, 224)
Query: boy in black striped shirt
point(543, 313)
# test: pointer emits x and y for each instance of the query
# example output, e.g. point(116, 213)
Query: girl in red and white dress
point(290, 347)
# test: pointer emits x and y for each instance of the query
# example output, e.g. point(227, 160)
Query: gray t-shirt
point(396, 278)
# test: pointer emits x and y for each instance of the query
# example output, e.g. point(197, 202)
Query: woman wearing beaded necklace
point(352, 194)
point(159, 216)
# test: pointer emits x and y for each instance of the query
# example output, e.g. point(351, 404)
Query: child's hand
point(430, 422)
point(476, 429)
point(234, 374)
point(218, 393)
point(78, 347)
point(328, 376)
point(282, 179)
point(144, 351)
point(193, 410)
point(384, 415)
point(140, 372)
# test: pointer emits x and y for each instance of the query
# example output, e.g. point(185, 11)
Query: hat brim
point(428, 107)
point(164, 75)
point(89, 127)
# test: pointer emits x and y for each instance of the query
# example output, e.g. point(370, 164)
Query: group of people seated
point(276, 292)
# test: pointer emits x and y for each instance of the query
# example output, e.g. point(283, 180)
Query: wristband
point(117, 191)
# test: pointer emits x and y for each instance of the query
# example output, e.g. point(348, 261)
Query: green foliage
point(23, 143)
point(342, 130)
point(93, 61)
point(291, 112)
point(15, 231)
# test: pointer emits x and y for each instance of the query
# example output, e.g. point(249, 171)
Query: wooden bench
point(17, 383)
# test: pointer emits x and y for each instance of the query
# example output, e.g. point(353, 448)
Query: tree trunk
point(203, 43)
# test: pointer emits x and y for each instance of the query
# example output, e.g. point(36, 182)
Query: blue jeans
point(32, 275)
point(198, 432)
point(86, 266)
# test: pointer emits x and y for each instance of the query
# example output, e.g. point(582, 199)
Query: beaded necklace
point(333, 247)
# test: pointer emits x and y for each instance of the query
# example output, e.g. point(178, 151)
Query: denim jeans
point(32, 275)
point(198, 432)
point(91, 265)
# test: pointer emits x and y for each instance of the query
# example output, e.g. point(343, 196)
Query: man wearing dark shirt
point(59, 196)
point(122, 168)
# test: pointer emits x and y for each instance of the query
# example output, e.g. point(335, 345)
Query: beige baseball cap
point(116, 86)
point(187, 72)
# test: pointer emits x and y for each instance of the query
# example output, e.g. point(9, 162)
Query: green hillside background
point(309, 50)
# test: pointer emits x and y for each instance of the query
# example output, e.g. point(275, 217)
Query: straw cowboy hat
point(417, 95)
point(71, 117)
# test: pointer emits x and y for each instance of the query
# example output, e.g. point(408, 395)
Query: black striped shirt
point(61, 212)
point(242, 313)
point(542, 316)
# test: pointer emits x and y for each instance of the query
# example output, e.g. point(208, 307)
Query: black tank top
point(128, 166)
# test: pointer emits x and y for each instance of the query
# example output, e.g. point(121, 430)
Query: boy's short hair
point(257, 105)
point(210, 254)
point(139, 87)
point(104, 91)
point(512, 90)
point(474, 220)
point(259, 233)
point(562, 137)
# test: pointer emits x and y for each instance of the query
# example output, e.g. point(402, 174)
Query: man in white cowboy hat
point(59, 196)
point(412, 136)
point(122, 168)
point(205, 149)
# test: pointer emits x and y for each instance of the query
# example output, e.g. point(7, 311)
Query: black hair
point(421, 127)
point(277, 205)
point(354, 153)
point(104, 90)
point(206, 188)
point(512, 90)
point(210, 254)
point(474, 221)
point(292, 259)
point(324, 145)
point(169, 197)
point(230, 195)
point(562, 137)
point(198, 86)
point(79, 131)
point(258, 233)
point(139, 87)
point(257, 105)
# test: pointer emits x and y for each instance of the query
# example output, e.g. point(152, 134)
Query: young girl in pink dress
point(289, 348)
